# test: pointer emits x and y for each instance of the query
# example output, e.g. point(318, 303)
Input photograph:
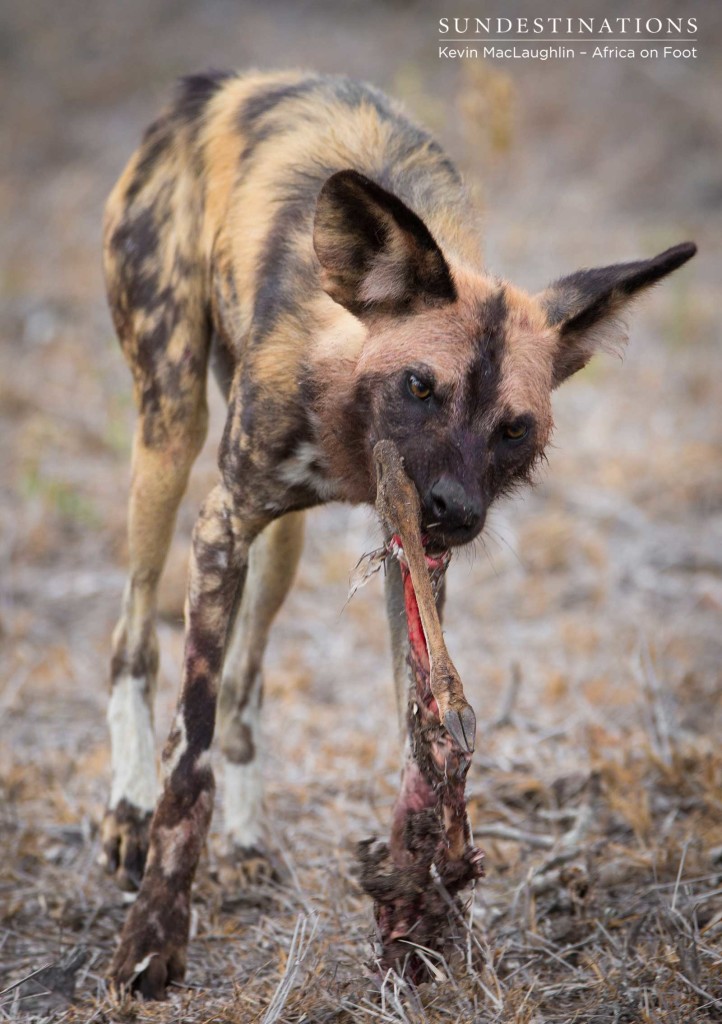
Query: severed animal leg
point(397, 503)
point(415, 878)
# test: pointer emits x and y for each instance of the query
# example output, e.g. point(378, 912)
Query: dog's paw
point(124, 836)
point(153, 944)
point(147, 975)
point(243, 869)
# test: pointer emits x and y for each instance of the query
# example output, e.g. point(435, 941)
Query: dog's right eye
point(418, 388)
point(515, 432)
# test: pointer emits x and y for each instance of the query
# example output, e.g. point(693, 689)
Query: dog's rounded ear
point(376, 255)
point(585, 307)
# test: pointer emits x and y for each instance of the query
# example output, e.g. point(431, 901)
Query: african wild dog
point(319, 250)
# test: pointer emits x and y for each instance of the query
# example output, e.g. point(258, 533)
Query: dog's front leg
point(152, 951)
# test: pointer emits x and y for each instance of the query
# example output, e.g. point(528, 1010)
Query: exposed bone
point(397, 503)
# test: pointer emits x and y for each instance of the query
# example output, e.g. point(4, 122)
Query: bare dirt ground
point(587, 627)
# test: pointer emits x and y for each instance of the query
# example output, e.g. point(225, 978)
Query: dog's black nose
point(453, 511)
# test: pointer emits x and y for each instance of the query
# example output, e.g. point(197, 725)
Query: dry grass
point(586, 629)
point(603, 902)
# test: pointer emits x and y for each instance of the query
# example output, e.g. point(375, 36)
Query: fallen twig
point(515, 835)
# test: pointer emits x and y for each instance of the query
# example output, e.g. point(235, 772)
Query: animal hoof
point(124, 837)
point(461, 726)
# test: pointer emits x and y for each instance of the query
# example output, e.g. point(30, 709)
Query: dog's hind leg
point(155, 294)
point(272, 565)
point(159, 479)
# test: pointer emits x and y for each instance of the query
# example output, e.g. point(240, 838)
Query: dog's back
point(219, 200)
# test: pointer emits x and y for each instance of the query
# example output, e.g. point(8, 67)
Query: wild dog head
point(457, 367)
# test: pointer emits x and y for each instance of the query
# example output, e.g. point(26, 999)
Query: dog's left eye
point(515, 431)
point(418, 388)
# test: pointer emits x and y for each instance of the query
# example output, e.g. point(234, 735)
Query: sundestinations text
point(567, 26)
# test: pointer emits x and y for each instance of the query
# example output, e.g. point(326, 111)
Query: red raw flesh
point(417, 637)
point(429, 824)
